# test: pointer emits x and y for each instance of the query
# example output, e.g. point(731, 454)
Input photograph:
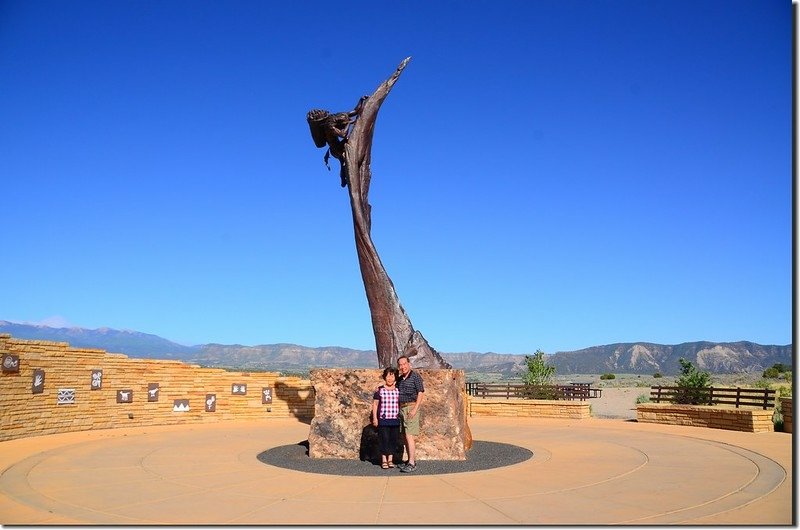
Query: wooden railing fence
point(740, 397)
point(572, 391)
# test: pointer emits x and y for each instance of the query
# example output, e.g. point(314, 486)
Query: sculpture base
point(341, 427)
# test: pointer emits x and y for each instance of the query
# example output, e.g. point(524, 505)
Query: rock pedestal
point(342, 426)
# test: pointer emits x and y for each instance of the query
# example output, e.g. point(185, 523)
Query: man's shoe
point(410, 468)
point(402, 465)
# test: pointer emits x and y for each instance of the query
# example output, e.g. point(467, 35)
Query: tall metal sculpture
point(348, 136)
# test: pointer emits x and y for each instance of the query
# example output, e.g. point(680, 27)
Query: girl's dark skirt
point(388, 436)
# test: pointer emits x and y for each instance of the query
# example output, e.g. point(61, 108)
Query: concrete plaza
point(596, 471)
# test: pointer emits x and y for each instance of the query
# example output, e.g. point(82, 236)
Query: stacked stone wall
point(713, 417)
point(529, 408)
point(787, 413)
point(25, 413)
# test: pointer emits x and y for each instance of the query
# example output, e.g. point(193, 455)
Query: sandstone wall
point(787, 413)
point(529, 408)
point(25, 413)
point(714, 417)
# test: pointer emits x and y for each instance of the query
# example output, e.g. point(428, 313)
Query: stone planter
point(787, 413)
point(713, 417)
point(529, 408)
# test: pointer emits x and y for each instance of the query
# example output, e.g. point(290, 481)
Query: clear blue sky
point(547, 174)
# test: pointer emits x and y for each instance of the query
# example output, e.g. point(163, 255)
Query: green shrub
point(608, 376)
point(775, 371)
point(777, 421)
point(777, 417)
point(692, 384)
point(538, 378)
point(643, 398)
point(540, 392)
point(657, 375)
point(762, 383)
point(539, 372)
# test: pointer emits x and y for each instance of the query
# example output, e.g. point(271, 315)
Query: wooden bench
point(763, 398)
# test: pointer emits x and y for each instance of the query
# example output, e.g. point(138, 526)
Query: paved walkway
point(592, 471)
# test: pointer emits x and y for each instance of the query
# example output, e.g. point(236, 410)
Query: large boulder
point(342, 426)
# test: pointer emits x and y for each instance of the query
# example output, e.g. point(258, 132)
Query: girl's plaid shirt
point(389, 403)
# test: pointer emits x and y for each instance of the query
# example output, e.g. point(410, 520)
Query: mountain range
point(634, 358)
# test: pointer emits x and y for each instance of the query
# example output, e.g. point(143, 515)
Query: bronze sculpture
point(327, 129)
point(348, 136)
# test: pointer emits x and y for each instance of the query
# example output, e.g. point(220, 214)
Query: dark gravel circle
point(482, 455)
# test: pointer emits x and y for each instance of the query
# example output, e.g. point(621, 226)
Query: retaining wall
point(787, 413)
point(24, 411)
point(529, 408)
point(714, 417)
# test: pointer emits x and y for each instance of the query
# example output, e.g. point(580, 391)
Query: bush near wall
point(25, 413)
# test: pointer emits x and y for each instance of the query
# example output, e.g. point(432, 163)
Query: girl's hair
point(388, 370)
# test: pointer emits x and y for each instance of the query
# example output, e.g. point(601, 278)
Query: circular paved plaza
point(581, 472)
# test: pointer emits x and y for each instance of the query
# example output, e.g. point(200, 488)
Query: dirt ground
point(617, 403)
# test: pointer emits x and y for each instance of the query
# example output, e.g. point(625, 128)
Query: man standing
point(412, 392)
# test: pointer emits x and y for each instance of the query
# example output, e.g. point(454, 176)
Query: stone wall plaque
point(37, 386)
point(125, 396)
point(66, 396)
point(239, 389)
point(10, 363)
point(97, 379)
point(266, 395)
point(180, 405)
point(211, 402)
point(152, 392)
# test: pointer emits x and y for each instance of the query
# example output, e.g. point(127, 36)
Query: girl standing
point(386, 416)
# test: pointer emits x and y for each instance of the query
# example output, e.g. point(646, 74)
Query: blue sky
point(546, 174)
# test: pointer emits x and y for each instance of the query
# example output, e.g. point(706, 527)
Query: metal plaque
point(10, 364)
point(97, 379)
point(37, 386)
point(152, 391)
point(66, 396)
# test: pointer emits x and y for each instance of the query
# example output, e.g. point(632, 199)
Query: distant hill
point(131, 343)
point(648, 358)
point(283, 357)
point(635, 358)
